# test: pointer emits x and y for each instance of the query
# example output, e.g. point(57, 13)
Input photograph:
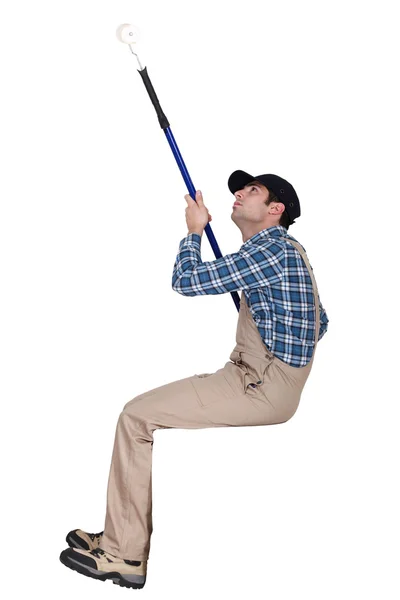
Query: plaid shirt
point(274, 280)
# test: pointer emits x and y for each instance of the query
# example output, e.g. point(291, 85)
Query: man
point(280, 321)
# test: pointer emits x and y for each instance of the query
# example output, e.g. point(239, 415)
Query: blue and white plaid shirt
point(275, 282)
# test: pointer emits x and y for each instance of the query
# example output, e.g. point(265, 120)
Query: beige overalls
point(256, 388)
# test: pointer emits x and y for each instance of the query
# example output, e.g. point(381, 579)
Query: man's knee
point(135, 406)
point(127, 405)
point(133, 421)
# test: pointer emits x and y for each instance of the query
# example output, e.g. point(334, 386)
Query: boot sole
point(128, 581)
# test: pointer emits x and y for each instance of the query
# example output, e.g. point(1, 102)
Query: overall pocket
point(253, 385)
point(212, 387)
point(251, 382)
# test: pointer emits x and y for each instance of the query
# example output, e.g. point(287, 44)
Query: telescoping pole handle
point(181, 164)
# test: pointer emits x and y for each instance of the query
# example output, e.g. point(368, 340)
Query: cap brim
point(238, 180)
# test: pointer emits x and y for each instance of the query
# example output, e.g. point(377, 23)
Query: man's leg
point(213, 400)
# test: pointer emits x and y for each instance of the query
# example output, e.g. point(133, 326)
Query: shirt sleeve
point(248, 268)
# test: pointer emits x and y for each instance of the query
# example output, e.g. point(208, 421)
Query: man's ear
point(282, 206)
point(279, 206)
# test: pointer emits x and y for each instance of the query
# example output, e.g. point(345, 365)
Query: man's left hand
point(197, 215)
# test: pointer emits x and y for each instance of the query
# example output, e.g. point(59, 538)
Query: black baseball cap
point(282, 189)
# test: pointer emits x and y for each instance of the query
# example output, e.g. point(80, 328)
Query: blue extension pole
point(181, 164)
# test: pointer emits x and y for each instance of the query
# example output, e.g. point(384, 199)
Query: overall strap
point(315, 289)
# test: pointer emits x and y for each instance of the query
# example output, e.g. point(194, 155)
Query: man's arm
point(251, 268)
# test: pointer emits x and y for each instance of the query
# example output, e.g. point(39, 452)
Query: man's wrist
point(198, 231)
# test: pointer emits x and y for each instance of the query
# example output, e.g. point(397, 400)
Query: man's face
point(251, 201)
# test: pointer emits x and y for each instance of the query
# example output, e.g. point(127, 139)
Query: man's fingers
point(199, 197)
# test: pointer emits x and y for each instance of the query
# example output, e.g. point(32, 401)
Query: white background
point(92, 213)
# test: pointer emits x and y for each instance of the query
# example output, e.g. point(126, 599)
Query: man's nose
point(239, 194)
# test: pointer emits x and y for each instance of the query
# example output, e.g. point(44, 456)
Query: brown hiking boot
point(102, 565)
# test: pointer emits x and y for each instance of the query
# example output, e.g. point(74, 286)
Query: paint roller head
point(128, 34)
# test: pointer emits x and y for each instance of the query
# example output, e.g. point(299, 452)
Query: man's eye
point(253, 187)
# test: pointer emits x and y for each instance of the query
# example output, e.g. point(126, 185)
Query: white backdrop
point(92, 213)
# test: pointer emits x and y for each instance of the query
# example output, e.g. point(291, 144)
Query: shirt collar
point(275, 231)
